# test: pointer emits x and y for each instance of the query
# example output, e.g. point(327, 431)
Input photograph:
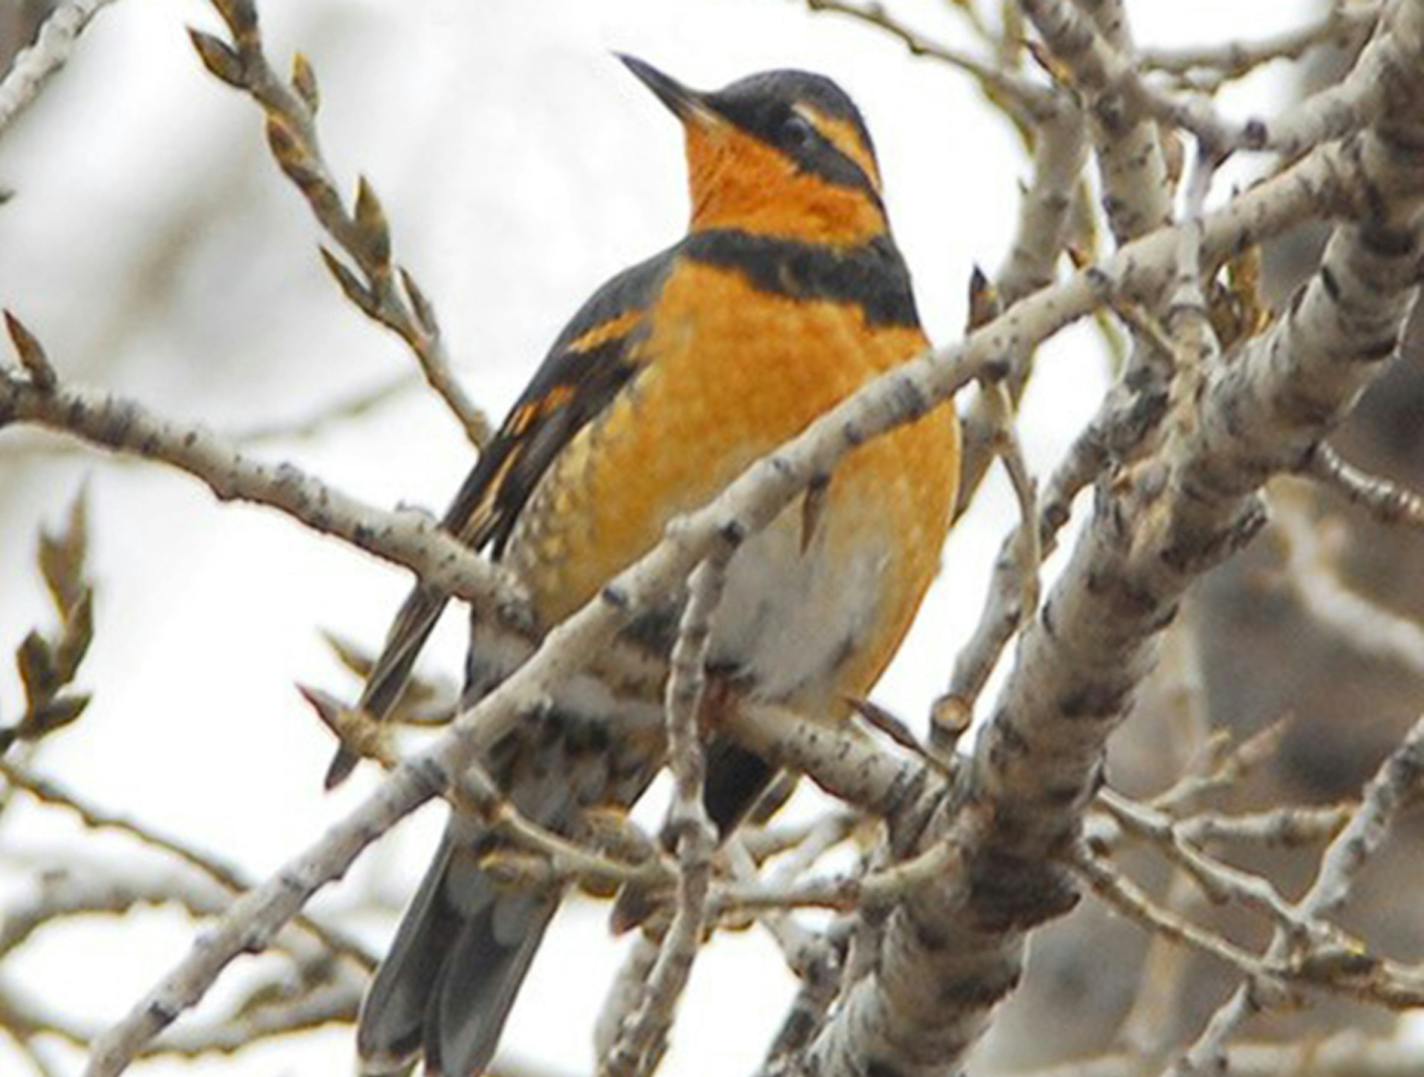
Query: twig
point(1148, 1025)
point(1349, 1054)
point(224, 874)
point(1028, 99)
point(1235, 763)
point(1028, 552)
point(363, 232)
point(1235, 59)
point(1385, 501)
point(355, 406)
point(850, 768)
point(1397, 780)
point(643, 1040)
point(1314, 577)
point(1219, 880)
point(52, 48)
point(1122, 894)
point(283, 1013)
point(1284, 828)
point(406, 537)
point(1059, 152)
point(794, 838)
point(625, 993)
point(1121, 424)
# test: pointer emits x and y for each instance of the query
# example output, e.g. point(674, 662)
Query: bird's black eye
point(796, 131)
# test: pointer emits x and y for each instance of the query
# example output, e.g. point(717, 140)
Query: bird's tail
point(447, 985)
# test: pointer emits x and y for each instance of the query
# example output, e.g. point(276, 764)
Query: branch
point(1382, 499)
point(952, 950)
point(34, 66)
point(1398, 779)
point(1341, 24)
point(405, 537)
point(1122, 894)
point(213, 868)
point(1024, 98)
point(1100, 68)
point(363, 232)
point(282, 1013)
point(1123, 422)
point(1313, 575)
point(303, 993)
point(1058, 156)
point(641, 1044)
point(353, 406)
point(1349, 1054)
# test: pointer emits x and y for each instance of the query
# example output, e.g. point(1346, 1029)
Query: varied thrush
point(786, 296)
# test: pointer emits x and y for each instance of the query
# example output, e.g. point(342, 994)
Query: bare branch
point(1397, 780)
point(1349, 1054)
point(362, 232)
point(1123, 895)
point(643, 1040)
point(1023, 97)
point(214, 868)
point(405, 537)
point(1341, 23)
point(1386, 502)
point(1313, 575)
point(1101, 68)
point(951, 951)
point(34, 66)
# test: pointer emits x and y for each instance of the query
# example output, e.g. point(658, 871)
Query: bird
point(785, 296)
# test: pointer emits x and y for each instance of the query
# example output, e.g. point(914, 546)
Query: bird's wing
point(593, 358)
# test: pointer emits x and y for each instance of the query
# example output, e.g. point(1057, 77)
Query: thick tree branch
point(951, 951)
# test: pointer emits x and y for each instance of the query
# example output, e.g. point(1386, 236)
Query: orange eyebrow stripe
point(612, 329)
point(844, 137)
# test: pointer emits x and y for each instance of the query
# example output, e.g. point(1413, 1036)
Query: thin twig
point(1397, 780)
point(1342, 22)
point(406, 537)
point(224, 874)
point(1027, 98)
point(1386, 501)
point(1314, 576)
point(362, 232)
point(643, 1040)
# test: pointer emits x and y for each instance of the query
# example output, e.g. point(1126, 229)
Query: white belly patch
point(789, 617)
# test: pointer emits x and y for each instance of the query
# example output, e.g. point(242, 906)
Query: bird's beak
point(687, 105)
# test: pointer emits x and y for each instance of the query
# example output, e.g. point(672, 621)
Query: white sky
point(521, 166)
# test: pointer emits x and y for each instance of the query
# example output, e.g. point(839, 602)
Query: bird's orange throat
point(739, 182)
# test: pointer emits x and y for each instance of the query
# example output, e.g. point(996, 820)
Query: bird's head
point(781, 153)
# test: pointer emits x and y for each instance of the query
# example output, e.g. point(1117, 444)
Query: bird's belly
point(791, 619)
point(727, 383)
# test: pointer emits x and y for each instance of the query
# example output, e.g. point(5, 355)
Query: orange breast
point(732, 373)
